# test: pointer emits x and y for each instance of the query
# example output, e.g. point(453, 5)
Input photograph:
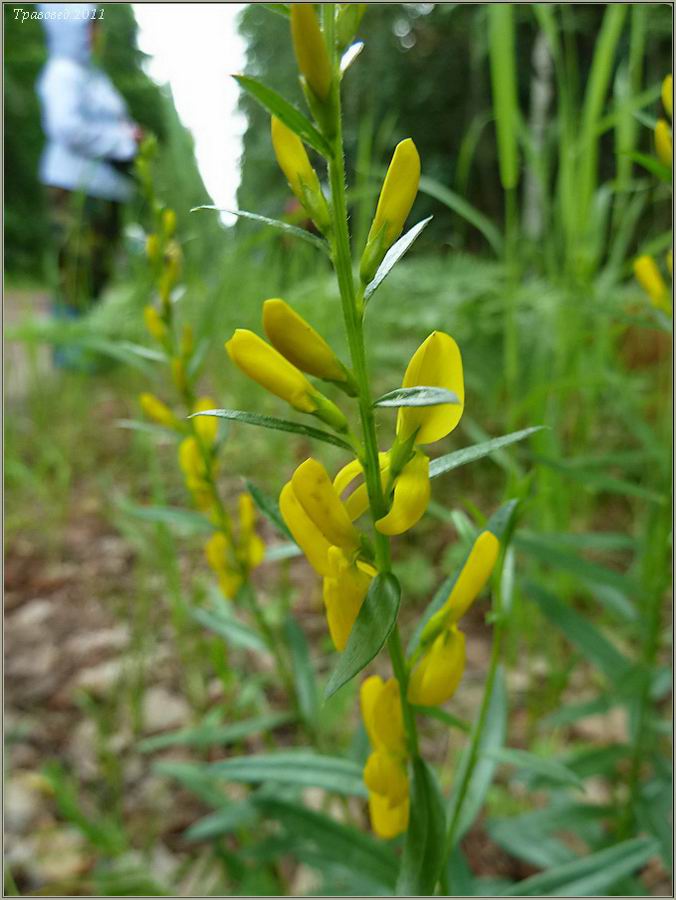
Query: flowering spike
point(310, 49)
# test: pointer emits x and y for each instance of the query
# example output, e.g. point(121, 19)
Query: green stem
point(352, 314)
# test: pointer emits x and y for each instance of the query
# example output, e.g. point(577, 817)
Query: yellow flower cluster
point(233, 559)
point(385, 773)
point(196, 457)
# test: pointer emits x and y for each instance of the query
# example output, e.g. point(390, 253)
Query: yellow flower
point(154, 324)
point(187, 340)
point(437, 673)
point(663, 144)
point(305, 533)
point(410, 497)
point(265, 365)
point(668, 95)
point(385, 770)
point(218, 553)
point(394, 204)
point(192, 465)
point(649, 277)
point(345, 588)
point(152, 247)
point(436, 363)
point(357, 502)
point(298, 342)
point(318, 497)
point(310, 49)
point(302, 178)
point(252, 548)
point(232, 562)
point(157, 411)
point(206, 426)
point(178, 373)
point(168, 222)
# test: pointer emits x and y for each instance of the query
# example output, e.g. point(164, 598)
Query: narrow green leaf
point(211, 734)
point(393, 255)
point(653, 165)
point(291, 230)
point(276, 424)
point(424, 844)
point(304, 675)
point(302, 768)
point(371, 629)
point(281, 9)
point(277, 552)
point(287, 113)
point(549, 769)
point(465, 210)
point(592, 875)
point(593, 645)
point(337, 843)
point(421, 395)
point(224, 821)
point(434, 712)
point(450, 461)
point(502, 51)
point(147, 428)
point(573, 712)
point(187, 521)
point(230, 629)
point(269, 507)
point(197, 779)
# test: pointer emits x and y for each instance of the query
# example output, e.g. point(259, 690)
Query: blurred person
point(87, 161)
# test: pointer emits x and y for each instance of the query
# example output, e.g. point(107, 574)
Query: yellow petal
point(474, 575)
point(410, 498)
point(298, 342)
point(663, 144)
point(398, 193)
point(216, 551)
point(230, 583)
point(267, 367)
point(649, 277)
point(347, 475)
point(344, 591)
point(668, 95)
point(293, 159)
point(437, 674)
point(436, 363)
point(154, 324)
point(317, 495)
point(252, 547)
point(382, 715)
point(310, 49)
point(385, 774)
point(388, 821)
point(157, 411)
point(190, 460)
point(305, 533)
point(206, 426)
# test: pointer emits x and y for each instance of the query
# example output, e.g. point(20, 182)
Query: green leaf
point(349, 57)
point(467, 807)
point(424, 844)
point(212, 734)
point(434, 712)
point(549, 769)
point(393, 255)
point(593, 645)
point(302, 768)
point(465, 210)
point(420, 395)
point(653, 165)
point(287, 113)
point(278, 552)
point(503, 56)
point(573, 712)
point(281, 9)
point(291, 230)
point(197, 778)
point(229, 628)
point(186, 521)
point(337, 843)
point(592, 875)
point(148, 428)
point(223, 821)
point(303, 673)
point(450, 461)
point(269, 507)
point(371, 629)
point(238, 415)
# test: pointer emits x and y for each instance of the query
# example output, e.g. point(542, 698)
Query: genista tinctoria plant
point(344, 521)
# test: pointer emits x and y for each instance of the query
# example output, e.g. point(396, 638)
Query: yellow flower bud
point(157, 411)
point(437, 674)
point(388, 821)
point(345, 588)
point(436, 363)
point(310, 49)
point(152, 247)
point(302, 178)
point(317, 495)
point(219, 553)
point(191, 462)
point(168, 222)
point(206, 426)
point(394, 204)
point(251, 546)
point(298, 342)
point(305, 533)
point(178, 373)
point(650, 278)
point(663, 144)
point(384, 774)
point(668, 95)
point(381, 711)
point(411, 496)
point(267, 367)
point(154, 323)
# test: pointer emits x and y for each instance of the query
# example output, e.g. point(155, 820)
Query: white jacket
point(84, 117)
